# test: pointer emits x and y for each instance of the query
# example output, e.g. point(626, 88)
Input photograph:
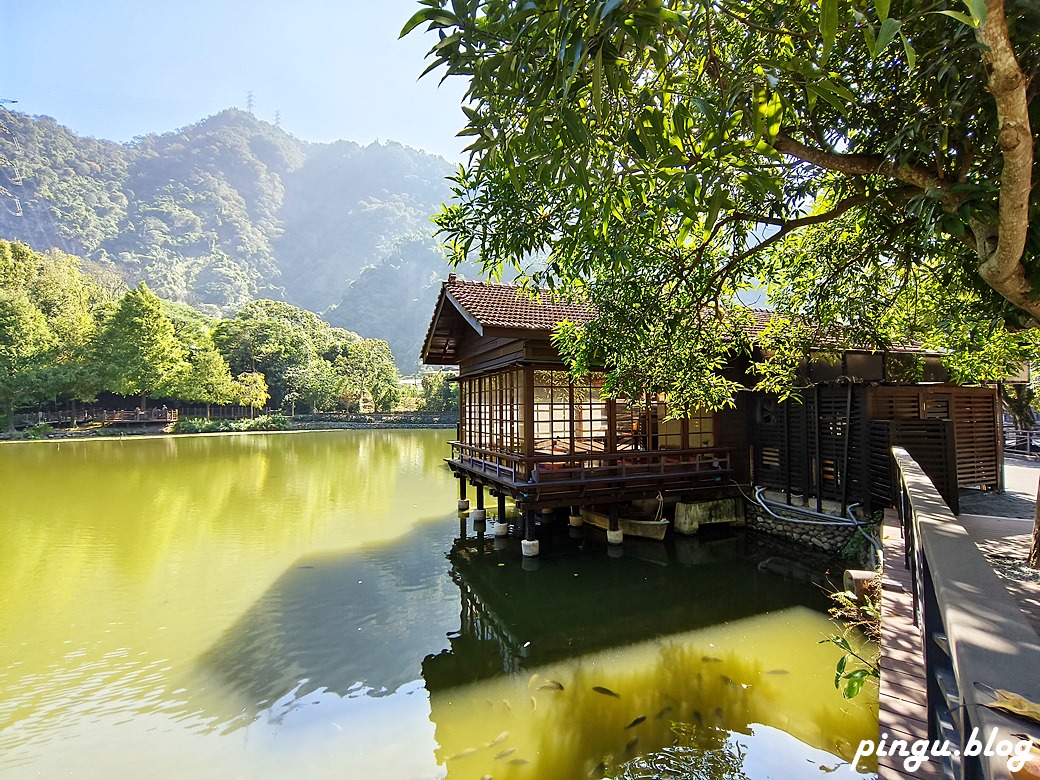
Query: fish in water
point(486, 777)
point(506, 752)
point(533, 680)
point(534, 704)
point(636, 722)
point(778, 671)
point(507, 705)
point(599, 771)
point(663, 712)
point(727, 680)
point(630, 748)
point(708, 659)
point(606, 691)
point(499, 739)
point(698, 717)
point(465, 753)
point(551, 685)
point(519, 761)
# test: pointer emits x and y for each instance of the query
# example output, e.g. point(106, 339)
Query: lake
point(311, 605)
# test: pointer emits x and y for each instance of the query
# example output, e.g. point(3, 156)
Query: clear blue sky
point(333, 68)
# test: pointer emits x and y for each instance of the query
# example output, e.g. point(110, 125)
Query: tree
point(314, 383)
point(139, 351)
point(874, 164)
point(251, 390)
point(278, 340)
point(439, 392)
point(207, 379)
point(26, 345)
point(369, 376)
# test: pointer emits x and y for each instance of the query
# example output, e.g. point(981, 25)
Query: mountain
point(232, 209)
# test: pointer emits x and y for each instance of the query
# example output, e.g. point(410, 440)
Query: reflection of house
point(531, 431)
point(504, 626)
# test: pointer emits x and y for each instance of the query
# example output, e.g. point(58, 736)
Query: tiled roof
point(505, 306)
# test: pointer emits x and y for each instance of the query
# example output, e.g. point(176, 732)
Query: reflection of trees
point(699, 753)
point(107, 527)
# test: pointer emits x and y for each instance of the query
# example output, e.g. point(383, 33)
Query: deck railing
point(975, 638)
point(586, 467)
point(95, 415)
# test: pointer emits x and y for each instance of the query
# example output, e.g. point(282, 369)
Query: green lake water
point(305, 605)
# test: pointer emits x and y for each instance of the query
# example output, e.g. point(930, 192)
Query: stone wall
point(828, 538)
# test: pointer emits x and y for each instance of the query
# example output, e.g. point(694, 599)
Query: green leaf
point(436, 16)
point(828, 25)
point(870, 38)
point(888, 31)
point(911, 55)
point(958, 16)
point(818, 90)
point(978, 11)
point(882, 7)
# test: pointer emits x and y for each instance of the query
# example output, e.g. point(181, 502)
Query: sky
point(331, 69)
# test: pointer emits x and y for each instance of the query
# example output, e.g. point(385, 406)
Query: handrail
point(975, 638)
point(622, 464)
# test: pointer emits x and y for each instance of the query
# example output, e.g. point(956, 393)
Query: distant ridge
point(231, 209)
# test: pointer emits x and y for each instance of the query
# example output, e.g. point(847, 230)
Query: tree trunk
point(208, 412)
point(144, 402)
point(72, 411)
point(10, 418)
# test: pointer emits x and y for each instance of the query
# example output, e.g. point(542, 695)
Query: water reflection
point(295, 605)
point(601, 674)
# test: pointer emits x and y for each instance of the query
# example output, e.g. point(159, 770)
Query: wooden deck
point(902, 712)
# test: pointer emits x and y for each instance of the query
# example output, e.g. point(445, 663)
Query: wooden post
point(501, 507)
point(480, 496)
point(845, 460)
point(612, 513)
point(819, 459)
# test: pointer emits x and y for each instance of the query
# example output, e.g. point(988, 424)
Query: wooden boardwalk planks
point(902, 712)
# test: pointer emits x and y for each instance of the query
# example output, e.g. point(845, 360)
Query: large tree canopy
point(871, 161)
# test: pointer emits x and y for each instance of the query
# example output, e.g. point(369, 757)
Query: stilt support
point(574, 519)
point(463, 501)
point(614, 535)
point(501, 507)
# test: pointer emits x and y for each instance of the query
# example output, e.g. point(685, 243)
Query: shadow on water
point(349, 624)
point(630, 655)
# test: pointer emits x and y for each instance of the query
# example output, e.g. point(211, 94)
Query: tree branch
point(793, 224)
point(867, 165)
point(1000, 246)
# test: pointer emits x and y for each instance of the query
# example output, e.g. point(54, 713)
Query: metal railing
point(975, 638)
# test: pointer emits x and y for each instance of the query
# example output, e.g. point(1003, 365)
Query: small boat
point(648, 529)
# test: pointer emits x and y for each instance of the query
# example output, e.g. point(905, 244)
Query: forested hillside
point(233, 209)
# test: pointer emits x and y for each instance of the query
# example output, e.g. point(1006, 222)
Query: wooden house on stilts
point(530, 431)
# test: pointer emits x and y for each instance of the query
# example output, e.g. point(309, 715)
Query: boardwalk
point(901, 708)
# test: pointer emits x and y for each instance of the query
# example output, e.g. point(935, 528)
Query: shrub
point(38, 431)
